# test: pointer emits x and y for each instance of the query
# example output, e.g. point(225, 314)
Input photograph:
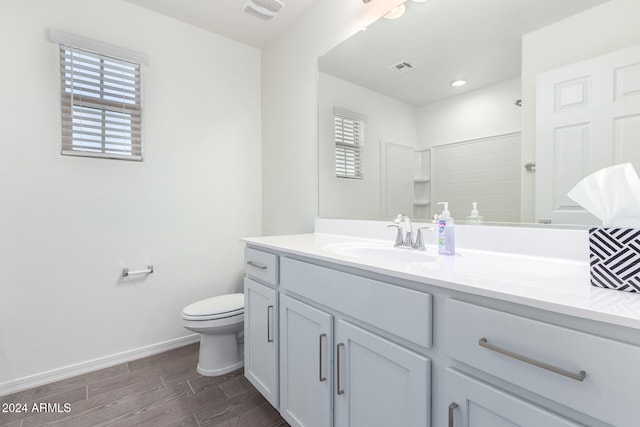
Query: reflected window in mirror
point(348, 138)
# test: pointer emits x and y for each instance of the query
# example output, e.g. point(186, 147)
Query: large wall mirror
point(426, 141)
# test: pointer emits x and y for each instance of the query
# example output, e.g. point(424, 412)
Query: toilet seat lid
point(229, 305)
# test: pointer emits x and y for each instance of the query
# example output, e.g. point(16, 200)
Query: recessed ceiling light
point(419, 1)
point(458, 83)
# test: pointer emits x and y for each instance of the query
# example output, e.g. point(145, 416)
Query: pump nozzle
point(445, 213)
point(474, 211)
point(475, 215)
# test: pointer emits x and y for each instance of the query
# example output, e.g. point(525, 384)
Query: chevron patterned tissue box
point(614, 255)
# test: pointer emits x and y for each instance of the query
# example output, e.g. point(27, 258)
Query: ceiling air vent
point(401, 67)
point(265, 9)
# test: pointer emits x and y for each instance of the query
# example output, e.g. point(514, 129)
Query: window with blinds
point(101, 105)
point(349, 137)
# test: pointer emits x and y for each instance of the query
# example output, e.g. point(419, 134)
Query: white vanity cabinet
point(334, 372)
point(370, 381)
point(261, 323)
point(335, 345)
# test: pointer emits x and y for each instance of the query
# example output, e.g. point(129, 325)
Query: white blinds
point(101, 105)
point(349, 137)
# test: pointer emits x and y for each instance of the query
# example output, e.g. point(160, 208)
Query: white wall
point(480, 113)
point(68, 225)
point(290, 113)
point(603, 29)
point(388, 121)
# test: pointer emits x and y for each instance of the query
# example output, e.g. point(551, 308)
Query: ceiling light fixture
point(264, 9)
point(458, 83)
point(396, 12)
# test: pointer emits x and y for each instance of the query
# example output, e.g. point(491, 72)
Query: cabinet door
point(378, 383)
point(305, 367)
point(261, 338)
point(473, 403)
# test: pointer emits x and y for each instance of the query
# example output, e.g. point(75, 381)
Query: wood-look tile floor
point(161, 390)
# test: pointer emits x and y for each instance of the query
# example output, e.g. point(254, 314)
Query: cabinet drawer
point(261, 265)
point(480, 404)
point(403, 312)
point(509, 346)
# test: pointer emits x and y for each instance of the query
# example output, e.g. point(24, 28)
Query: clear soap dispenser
point(475, 215)
point(446, 238)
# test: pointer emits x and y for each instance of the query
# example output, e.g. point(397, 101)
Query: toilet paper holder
point(126, 272)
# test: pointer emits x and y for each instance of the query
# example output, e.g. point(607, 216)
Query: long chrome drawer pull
point(256, 265)
point(578, 377)
point(320, 376)
point(452, 408)
point(269, 315)
point(339, 389)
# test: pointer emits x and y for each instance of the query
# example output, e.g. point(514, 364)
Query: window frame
point(349, 128)
point(100, 98)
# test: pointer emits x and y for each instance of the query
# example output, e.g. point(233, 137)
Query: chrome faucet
point(405, 239)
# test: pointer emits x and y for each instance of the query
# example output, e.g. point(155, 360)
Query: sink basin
point(379, 252)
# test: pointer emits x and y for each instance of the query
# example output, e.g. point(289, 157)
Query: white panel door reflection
point(587, 118)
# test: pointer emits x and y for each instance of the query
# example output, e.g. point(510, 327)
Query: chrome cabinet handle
point(339, 389)
point(269, 315)
point(452, 408)
point(320, 376)
point(578, 377)
point(257, 265)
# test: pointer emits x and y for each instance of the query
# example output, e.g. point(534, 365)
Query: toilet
point(220, 321)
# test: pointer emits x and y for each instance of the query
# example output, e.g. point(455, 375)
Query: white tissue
point(611, 194)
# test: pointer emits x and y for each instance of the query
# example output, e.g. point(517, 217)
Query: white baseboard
point(69, 371)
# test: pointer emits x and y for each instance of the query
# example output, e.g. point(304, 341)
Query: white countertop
point(557, 285)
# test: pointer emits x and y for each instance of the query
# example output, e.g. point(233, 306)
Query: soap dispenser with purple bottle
point(446, 238)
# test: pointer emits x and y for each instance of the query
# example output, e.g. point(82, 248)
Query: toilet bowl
point(220, 321)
